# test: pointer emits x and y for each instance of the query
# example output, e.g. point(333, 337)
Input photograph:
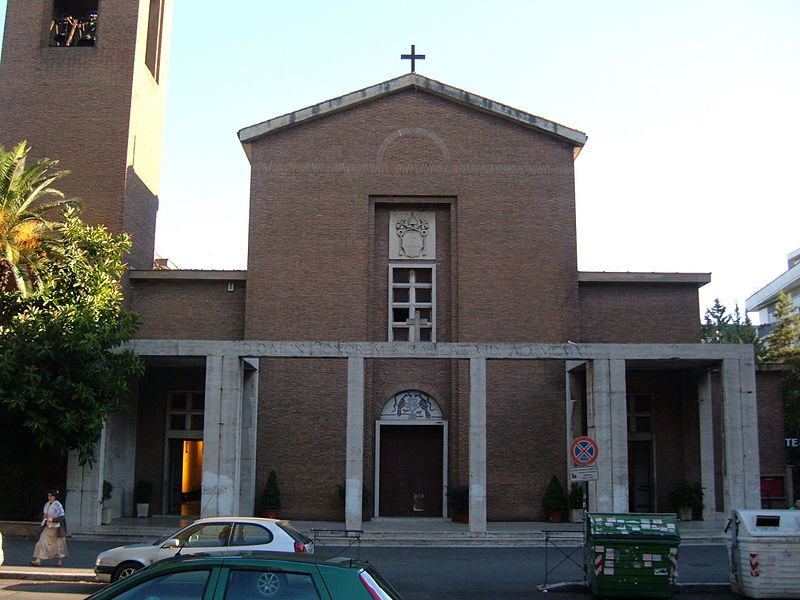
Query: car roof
point(245, 519)
point(285, 559)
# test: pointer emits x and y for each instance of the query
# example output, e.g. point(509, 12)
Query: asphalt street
point(425, 573)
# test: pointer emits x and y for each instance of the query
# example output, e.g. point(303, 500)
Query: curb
point(47, 574)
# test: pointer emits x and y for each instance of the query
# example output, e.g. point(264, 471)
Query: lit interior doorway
point(185, 476)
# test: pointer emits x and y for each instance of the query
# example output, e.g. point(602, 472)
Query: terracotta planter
point(556, 516)
point(270, 513)
point(462, 517)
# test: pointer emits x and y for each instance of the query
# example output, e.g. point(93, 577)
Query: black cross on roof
point(413, 57)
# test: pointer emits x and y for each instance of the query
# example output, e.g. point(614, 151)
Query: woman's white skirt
point(50, 545)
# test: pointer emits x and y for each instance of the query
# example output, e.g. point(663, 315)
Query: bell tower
point(84, 82)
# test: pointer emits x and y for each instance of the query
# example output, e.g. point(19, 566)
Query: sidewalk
point(390, 532)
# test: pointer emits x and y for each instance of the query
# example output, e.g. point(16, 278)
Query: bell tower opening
point(74, 23)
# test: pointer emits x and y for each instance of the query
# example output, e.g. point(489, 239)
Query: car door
point(202, 537)
point(174, 584)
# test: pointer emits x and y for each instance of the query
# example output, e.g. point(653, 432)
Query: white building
point(764, 300)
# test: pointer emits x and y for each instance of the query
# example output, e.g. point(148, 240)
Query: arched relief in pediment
point(412, 145)
point(411, 404)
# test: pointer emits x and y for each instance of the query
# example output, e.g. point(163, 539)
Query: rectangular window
point(412, 294)
point(155, 30)
point(185, 412)
point(640, 414)
point(74, 23)
point(264, 583)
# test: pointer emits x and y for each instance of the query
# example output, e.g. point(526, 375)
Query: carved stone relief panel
point(412, 235)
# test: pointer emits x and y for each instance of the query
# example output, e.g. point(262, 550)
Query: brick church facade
point(411, 319)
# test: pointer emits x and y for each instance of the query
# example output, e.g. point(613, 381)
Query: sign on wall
point(583, 451)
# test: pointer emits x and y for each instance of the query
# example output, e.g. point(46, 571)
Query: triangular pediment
point(250, 134)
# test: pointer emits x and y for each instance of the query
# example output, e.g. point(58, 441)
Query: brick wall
point(188, 309)
point(510, 197)
point(639, 313)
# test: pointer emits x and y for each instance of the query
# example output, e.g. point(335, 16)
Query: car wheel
point(269, 584)
point(124, 570)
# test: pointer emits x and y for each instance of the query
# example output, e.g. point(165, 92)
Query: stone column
point(706, 427)
point(247, 498)
point(742, 478)
point(84, 490)
point(477, 446)
point(354, 468)
point(608, 426)
point(222, 437)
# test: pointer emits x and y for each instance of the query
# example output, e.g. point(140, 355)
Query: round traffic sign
point(583, 451)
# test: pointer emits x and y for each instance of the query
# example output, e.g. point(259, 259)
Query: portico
point(231, 383)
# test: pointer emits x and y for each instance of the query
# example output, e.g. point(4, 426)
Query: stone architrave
point(412, 235)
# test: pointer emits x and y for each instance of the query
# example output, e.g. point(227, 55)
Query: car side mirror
point(173, 543)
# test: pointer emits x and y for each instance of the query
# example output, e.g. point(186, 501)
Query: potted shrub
point(458, 497)
point(142, 494)
point(105, 517)
point(686, 499)
point(575, 500)
point(555, 501)
point(270, 500)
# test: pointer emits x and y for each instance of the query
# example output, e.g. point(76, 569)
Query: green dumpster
point(632, 555)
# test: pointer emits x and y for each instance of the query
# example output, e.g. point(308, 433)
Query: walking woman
point(52, 540)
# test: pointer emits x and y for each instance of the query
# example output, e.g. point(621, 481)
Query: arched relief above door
point(410, 405)
point(412, 145)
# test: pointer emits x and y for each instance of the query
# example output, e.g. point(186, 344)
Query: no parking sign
point(583, 451)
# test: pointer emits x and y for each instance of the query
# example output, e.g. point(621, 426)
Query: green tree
point(723, 328)
point(27, 236)
point(783, 343)
point(61, 372)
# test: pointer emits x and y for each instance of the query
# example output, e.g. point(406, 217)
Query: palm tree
point(25, 232)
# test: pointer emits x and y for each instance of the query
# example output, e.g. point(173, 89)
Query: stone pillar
point(742, 477)
point(84, 490)
point(354, 468)
point(608, 426)
point(247, 497)
point(477, 446)
point(706, 432)
point(222, 437)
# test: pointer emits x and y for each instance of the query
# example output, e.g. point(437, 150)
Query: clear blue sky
point(692, 109)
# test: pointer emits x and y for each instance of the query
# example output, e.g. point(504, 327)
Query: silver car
point(214, 534)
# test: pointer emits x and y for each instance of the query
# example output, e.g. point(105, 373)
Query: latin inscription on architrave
point(412, 235)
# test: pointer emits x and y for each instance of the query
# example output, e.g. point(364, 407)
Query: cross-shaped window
point(411, 304)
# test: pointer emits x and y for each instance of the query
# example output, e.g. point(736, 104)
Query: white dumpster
point(765, 553)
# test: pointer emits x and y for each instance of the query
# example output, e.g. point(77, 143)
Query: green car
point(252, 576)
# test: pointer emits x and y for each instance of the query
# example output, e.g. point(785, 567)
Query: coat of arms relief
point(412, 235)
